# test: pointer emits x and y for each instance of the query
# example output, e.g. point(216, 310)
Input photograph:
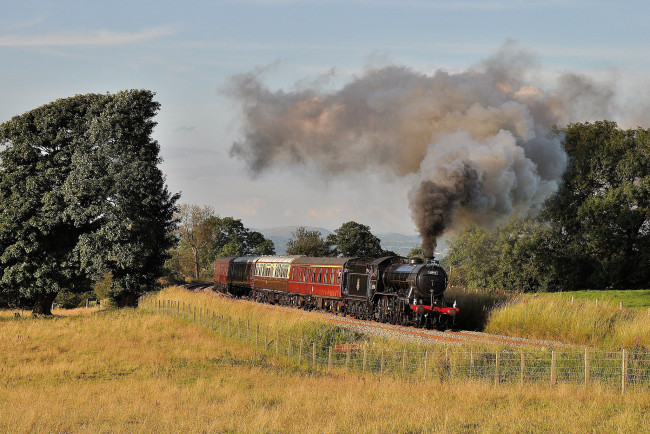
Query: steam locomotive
point(392, 289)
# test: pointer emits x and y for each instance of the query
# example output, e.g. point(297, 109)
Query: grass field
point(125, 371)
point(580, 320)
point(631, 299)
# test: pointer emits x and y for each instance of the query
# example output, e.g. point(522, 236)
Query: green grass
point(580, 322)
point(633, 299)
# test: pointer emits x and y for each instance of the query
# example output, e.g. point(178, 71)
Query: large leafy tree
point(513, 257)
point(196, 232)
point(594, 233)
point(601, 213)
point(81, 196)
point(232, 238)
point(309, 243)
point(355, 239)
point(473, 254)
point(204, 236)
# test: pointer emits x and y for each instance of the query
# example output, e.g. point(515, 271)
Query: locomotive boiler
point(420, 287)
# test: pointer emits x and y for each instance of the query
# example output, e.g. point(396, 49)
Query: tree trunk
point(196, 262)
point(43, 304)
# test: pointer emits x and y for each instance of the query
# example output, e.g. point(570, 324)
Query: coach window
point(326, 276)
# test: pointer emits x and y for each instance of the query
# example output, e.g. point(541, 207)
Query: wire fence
point(624, 369)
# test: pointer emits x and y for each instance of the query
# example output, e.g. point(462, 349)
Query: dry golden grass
point(288, 322)
point(125, 371)
point(11, 313)
point(235, 308)
point(581, 322)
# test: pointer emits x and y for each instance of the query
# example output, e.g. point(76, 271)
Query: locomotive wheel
point(393, 311)
point(381, 310)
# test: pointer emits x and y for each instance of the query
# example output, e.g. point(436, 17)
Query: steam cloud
point(480, 142)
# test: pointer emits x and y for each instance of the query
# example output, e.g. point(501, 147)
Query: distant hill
point(398, 243)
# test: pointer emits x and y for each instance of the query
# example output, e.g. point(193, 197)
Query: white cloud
point(6, 25)
point(89, 38)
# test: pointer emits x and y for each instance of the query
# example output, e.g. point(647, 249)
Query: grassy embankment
point(577, 318)
point(124, 371)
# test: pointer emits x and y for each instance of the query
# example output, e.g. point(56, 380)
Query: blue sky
point(188, 51)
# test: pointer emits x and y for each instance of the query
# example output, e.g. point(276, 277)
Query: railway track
point(432, 336)
point(198, 285)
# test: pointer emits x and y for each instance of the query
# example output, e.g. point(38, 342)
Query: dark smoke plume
point(479, 142)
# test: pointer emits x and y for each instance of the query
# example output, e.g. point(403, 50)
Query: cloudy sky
point(191, 53)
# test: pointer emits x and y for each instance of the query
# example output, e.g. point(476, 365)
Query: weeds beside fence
point(622, 369)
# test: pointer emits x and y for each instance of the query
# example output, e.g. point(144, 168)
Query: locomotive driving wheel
point(393, 311)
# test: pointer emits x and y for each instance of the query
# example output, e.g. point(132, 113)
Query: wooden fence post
point(277, 343)
point(404, 363)
point(496, 368)
point(300, 353)
point(313, 354)
point(471, 363)
point(382, 362)
point(624, 371)
point(587, 366)
point(553, 369)
point(365, 354)
point(426, 356)
point(329, 359)
point(523, 367)
point(347, 358)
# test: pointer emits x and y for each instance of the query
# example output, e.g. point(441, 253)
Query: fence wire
point(628, 368)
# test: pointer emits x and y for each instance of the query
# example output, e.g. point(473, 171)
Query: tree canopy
point(234, 239)
point(81, 195)
point(594, 233)
point(203, 236)
point(355, 239)
point(196, 238)
point(601, 213)
point(308, 243)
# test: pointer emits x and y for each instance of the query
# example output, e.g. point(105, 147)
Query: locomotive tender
point(391, 289)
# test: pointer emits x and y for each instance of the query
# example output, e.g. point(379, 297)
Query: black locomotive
point(390, 289)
